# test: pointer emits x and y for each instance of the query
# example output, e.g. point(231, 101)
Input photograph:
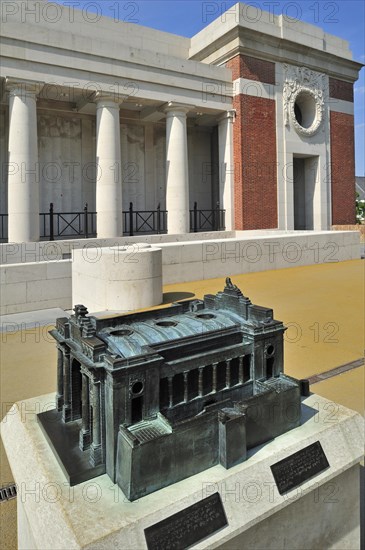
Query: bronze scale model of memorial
point(154, 397)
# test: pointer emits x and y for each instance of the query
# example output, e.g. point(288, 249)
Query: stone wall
point(33, 286)
point(356, 227)
point(68, 169)
point(44, 284)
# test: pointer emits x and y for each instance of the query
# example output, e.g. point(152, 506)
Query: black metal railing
point(144, 221)
point(56, 225)
point(207, 220)
point(63, 225)
point(3, 227)
point(67, 224)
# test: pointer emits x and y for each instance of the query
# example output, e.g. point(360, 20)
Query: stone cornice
point(272, 48)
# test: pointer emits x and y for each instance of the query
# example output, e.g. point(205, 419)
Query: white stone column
point(23, 172)
point(177, 169)
point(109, 221)
point(226, 167)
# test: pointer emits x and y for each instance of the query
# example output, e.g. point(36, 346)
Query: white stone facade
point(99, 116)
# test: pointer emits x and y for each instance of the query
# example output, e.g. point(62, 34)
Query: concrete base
point(117, 278)
point(322, 513)
point(326, 517)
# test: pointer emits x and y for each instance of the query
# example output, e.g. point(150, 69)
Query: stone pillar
point(240, 370)
point(23, 172)
point(169, 381)
point(200, 382)
point(214, 388)
point(84, 441)
point(109, 219)
point(226, 165)
point(228, 373)
point(186, 386)
point(177, 169)
point(66, 411)
point(60, 389)
point(96, 455)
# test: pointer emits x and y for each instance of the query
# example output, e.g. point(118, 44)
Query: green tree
point(360, 209)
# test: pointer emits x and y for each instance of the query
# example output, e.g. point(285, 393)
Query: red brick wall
point(252, 68)
point(254, 145)
point(342, 168)
point(339, 89)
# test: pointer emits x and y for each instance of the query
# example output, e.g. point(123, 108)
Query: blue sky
point(343, 18)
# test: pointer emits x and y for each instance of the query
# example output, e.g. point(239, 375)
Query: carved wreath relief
point(303, 96)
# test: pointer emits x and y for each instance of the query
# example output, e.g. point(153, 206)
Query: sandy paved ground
point(321, 305)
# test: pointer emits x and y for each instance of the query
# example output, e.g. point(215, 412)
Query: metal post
point(195, 218)
point(131, 219)
point(214, 220)
point(51, 228)
point(158, 219)
point(86, 224)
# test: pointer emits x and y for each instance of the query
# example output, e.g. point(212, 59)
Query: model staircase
point(88, 329)
point(145, 430)
point(8, 493)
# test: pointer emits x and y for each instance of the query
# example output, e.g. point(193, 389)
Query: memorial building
point(253, 115)
point(154, 397)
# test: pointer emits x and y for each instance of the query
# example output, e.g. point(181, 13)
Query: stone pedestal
point(118, 278)
point(323, 512)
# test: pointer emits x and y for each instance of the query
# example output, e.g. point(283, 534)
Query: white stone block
point(62, 303)
point(98, 515)
point(219, 268)
point(351, 237)
point(2, 274)
point(120, 278)
point(181, 273)
point(18, 273)
point(192, 252)
point(13, 293)
point(38, 291)
point(59, 269)
point(355, 251)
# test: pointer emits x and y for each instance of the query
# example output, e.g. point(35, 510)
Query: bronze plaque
point(189, 526)
point(299, 467)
